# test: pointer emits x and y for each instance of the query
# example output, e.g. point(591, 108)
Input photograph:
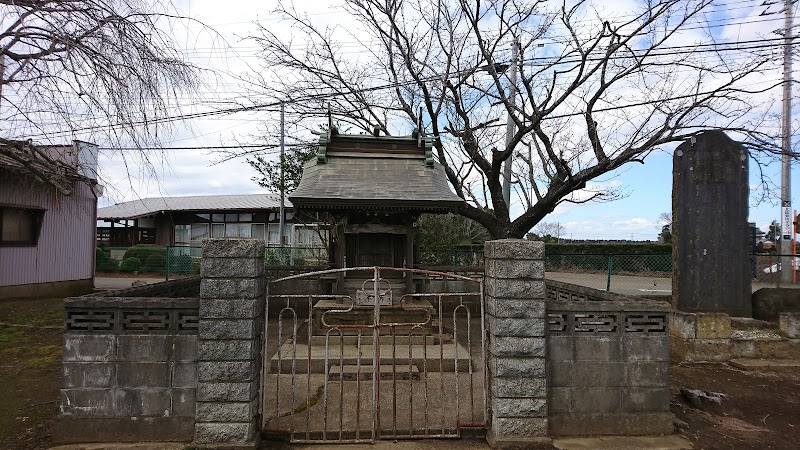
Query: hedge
point(152, 258)
point(607, 249)
point(447, 254)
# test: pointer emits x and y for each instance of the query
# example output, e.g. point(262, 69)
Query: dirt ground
point(763, 410)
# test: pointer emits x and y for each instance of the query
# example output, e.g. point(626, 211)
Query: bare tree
point(554, 229)
point(594, 91)
point(104, 70)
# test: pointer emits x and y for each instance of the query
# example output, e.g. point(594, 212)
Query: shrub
point(196, 266)
point(155, 262)
point(103, 261)
point(144, 251)
point(130, 264)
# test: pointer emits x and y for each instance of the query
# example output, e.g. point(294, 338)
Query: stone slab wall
point(697, 337)
point(607, 363)
point(232, 295)
point(129, 370)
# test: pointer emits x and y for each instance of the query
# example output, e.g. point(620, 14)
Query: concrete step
point(350, 372)
point(673, 442)
point(433, 356)
point(765, 364)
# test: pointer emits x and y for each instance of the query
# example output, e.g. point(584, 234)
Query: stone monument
point(710, 243)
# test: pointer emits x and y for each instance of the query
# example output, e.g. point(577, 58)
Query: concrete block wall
point(608, 367)
point(129, 370)
point(515, 318)
point(232, 295)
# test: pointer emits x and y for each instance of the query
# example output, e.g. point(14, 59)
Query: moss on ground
point(30, 369)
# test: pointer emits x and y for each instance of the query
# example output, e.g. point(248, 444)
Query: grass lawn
point(30, 370)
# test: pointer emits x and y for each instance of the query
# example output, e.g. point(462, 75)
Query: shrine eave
point(378, 205)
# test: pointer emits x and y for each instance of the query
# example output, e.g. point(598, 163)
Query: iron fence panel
point(336, 370)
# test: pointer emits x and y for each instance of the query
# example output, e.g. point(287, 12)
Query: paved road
point(630, 285)
point(114, 283)
point(621, 284)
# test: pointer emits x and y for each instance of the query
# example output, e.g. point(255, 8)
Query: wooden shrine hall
point(374, 188)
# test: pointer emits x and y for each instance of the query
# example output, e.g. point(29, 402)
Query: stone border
point(700, 337)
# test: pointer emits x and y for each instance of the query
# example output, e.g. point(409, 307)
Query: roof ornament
point(419, 128)
point(419, 133)
point(325, 139)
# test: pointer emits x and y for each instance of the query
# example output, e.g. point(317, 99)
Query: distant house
point(186, 221)
point(48, 203)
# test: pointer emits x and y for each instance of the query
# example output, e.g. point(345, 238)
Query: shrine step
point(426, 353)
point(349, 372)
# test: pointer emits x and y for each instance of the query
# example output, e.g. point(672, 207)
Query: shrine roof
point(374, 172)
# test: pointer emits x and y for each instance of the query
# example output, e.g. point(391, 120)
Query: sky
point(646, 187)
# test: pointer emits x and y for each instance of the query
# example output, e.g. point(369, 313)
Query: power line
point(198, 147)
point(265, 107)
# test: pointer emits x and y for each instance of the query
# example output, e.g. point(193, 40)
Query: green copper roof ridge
point(325, 139)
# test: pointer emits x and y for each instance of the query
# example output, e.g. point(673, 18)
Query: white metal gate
point(346, 369)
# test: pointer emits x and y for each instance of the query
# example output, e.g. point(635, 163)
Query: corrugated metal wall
point(66, 244)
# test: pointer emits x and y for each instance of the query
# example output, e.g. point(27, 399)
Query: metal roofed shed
point(186, 221)
point(148, 206)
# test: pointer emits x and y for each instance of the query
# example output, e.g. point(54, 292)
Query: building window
point(273, 238)
point(199, 232)
point(227, 225)
point(20, 226)
point(310, 236)
point(237, 230)
point(217, 230)
point(257, 231)
point(182, 235)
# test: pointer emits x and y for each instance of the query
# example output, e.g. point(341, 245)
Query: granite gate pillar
point(232, 295)
point(516, 319)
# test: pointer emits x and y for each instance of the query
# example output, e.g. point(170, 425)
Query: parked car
point(777, 266)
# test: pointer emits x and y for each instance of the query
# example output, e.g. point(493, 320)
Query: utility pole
point(786, 145)
point(510, 125)
point(282, 213)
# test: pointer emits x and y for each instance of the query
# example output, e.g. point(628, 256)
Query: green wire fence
point(625, 273)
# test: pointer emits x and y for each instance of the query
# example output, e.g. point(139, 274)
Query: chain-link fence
point(457, 257)
point(632, 274)
point(622, 273)
point(177, 261)
point(140, 258)
point(627, 274)
point(649, 274)
point(296, 256)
